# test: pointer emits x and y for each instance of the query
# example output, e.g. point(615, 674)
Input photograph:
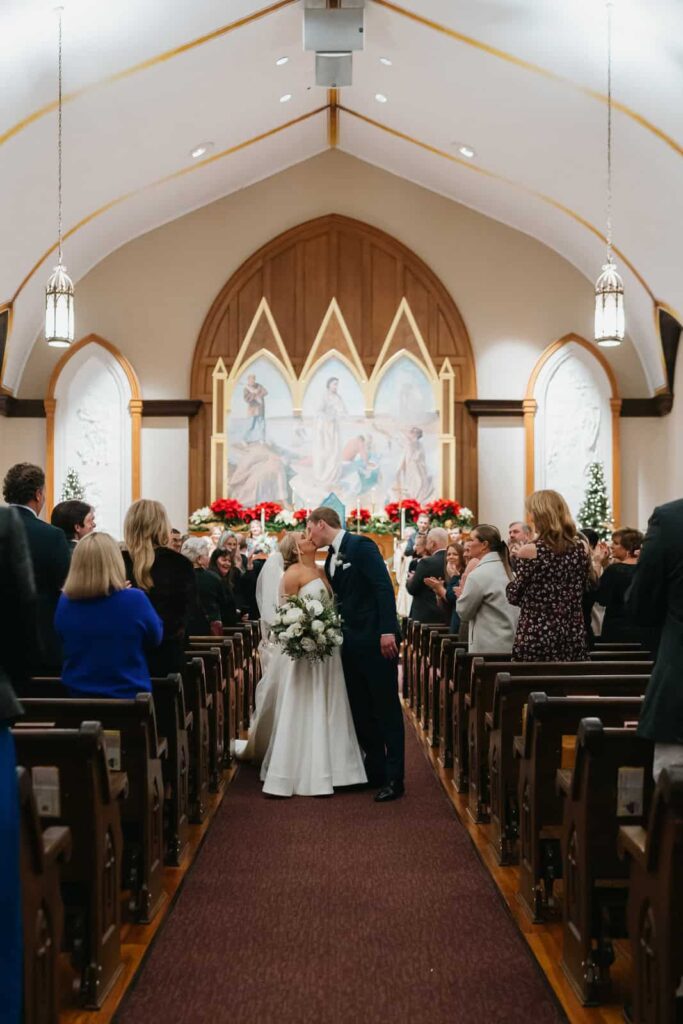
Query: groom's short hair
point(325, 515)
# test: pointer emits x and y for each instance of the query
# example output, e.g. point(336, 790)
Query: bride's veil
point(268, 590)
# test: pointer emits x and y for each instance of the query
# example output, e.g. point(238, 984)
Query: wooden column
point(135, 406)
point(50, 405)
point(529, 406)
point(615, 405)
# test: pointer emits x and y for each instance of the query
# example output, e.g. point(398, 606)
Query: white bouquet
point(306, 627)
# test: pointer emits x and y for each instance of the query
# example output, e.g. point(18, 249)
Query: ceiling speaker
point(333, 30)
point(333, 70)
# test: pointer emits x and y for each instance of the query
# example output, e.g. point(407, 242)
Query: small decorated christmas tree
point(72, 488)
point(596, 512)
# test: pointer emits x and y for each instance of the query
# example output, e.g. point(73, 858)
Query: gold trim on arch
point(530, 406)
point(144, 65)
point(134, 406)
point(537, 69)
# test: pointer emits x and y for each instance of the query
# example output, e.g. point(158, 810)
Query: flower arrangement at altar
point(307, 628)
point(407, 511)
point(445, 512)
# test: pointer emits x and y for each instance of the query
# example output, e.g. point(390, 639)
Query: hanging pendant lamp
point(59, 294)
point(609, 287)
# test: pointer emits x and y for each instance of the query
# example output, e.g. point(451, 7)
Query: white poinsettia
point(286, 517)
point(201, 515)
point(467, 514)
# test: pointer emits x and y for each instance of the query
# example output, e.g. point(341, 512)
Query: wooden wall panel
point(299, 273)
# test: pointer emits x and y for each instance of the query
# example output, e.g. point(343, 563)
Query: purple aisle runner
point(337, 910)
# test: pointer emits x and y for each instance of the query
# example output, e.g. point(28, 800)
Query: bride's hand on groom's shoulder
point(388, 645)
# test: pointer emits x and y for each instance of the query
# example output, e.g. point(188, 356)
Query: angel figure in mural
point(412, 475)
point(255, 398)
point(359, 469)
point(326, 435)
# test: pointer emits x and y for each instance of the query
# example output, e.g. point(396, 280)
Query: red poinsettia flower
point(301, 515)
point(362, 514)
point(228, 509)
point(270, 509)
point(410, 506)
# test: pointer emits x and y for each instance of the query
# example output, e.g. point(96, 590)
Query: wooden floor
point(136, 938)
point(545, 940)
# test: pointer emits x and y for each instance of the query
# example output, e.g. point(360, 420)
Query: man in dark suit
point(425, 606)
point(363, 588)
point(17, 637)
point(24, 488)
point(655, 598)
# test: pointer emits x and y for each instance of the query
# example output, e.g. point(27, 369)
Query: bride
point(302, 732)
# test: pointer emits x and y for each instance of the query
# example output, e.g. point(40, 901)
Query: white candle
point(263, 520)
point(358, 518)
point(403, 521)
point(373, 503)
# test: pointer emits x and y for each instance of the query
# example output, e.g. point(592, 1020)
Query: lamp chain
point(609, 130)
point(59, 138)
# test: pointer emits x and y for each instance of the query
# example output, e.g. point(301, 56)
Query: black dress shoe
point(392, 791)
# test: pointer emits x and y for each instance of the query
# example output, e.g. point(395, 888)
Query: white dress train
point(302, 731)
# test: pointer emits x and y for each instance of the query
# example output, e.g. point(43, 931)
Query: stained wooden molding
point(24, 408)
point(34, 408)
point(494, 407)
point(660, 405)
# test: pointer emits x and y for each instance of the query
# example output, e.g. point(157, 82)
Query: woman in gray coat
point(483, 603)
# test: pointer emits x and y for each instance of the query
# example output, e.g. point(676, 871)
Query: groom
point(366, 601)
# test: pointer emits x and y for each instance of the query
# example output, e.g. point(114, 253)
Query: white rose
point(296, 629)
point(322, 641)
point(293, 615)
point(308, 644)
point(317, 626)
point(382, 517)
point(315, 607)
point(338, 639)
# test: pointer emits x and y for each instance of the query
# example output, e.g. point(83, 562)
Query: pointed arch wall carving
point(337, 287)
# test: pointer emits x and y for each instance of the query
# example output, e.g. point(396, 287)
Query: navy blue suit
point(366, 601)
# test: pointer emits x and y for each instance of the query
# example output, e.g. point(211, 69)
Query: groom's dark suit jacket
point(364, 591)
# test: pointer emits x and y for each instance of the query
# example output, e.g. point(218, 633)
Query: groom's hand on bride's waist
point(388, 645)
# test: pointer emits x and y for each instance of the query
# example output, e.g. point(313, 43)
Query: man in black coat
point(425, 606)
point(24, 488)
point(655, 598)
point(17, 637)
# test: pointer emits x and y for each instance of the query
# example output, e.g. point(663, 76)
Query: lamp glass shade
point(59, 309)
point(609, 307)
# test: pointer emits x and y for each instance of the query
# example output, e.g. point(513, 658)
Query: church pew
point(422, 669)
point(215, 687)
point(406, 659)
point(460, 687)
point(445, 679)
point(249, 667)
point(504, 722)
point(479, 703)
point(540, 748)
point(241, 678)
point(225, 649)
point(433, 691)
point(611, 784)
point(175, 724)
point(85, 797)
point(134, 747)
point(655, 902)
point(41, 854)
point(198, 701)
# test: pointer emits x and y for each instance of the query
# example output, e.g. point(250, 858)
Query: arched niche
point(93, 409)
point(308, 277)
point(571, 416)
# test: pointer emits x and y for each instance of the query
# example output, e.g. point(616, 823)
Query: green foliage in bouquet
point(306, 627)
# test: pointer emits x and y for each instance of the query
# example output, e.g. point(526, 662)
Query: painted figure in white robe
point(326, 438)
point(412, 477)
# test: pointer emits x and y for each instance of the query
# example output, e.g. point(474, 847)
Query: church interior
point(405, 258)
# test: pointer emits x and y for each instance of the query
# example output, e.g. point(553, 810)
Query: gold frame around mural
point(134, 406)
point(530, 407)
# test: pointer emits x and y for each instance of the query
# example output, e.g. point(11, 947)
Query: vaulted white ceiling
point(520, 81)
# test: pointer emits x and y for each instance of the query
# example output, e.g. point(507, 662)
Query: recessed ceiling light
point(385, 60)
point(200, 150)
point(281, 60)
point(466, 151)
point(286, 98)
point(380, 97)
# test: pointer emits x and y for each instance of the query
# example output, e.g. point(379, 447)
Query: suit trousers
point(372, 685)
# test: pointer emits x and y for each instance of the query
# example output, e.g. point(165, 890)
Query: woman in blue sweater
point(105, 625)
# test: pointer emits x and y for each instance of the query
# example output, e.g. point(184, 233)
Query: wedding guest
point(655, 600)
point(425, 606)
point(401, 570)
point(230, 543)
point(483, 602)
point(255, 535)
point(519, 534)
point(107, 627)
point(222, 565)
point(175, 541)
point(423, 523)
point(17, 638)
point(549, 584)
point(471, 563)
point(592, 613)
point(24, 488)
point(215, 534)
point(166, 577)
point(445, 589)
point(247, 604)
point(75, 518)
point(619, 625)
point(206, 614)
point(419, 552)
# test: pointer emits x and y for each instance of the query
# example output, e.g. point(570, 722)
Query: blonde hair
point(289, 548)
point(146, 527)
point(97, 568)
point(552, 520)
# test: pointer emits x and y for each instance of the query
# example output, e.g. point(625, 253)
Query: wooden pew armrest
point(56, 844)
point(189, 719)
point(118, 784)
point(563, 781)
point(488, 720)
point(209, 700)
point(162, 747)
point(451, 685)
point(631, 841)
point(518, 746)
point(468, 700)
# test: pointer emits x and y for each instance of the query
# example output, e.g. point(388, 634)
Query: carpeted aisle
point(336, 910)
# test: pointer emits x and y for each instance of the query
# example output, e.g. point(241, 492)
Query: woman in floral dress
point(550, 580)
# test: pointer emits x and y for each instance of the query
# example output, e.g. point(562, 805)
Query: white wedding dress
point(302, 731)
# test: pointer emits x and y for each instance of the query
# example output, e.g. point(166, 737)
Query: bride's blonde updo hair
point(289, 548)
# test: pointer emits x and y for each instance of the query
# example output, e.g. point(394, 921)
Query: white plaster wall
point(165, 465)
point(21, 440)
point(501, 470)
